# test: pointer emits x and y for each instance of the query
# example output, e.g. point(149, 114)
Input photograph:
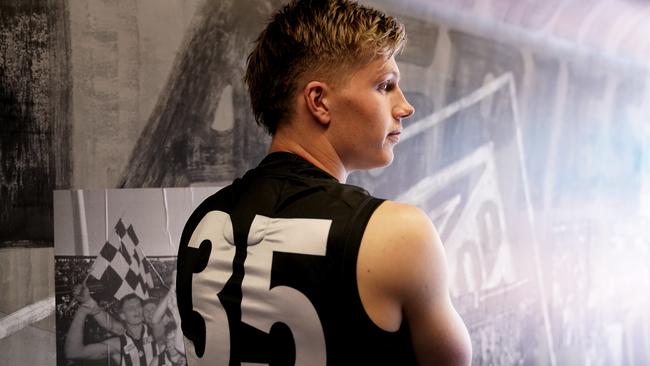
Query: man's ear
point(317, 101)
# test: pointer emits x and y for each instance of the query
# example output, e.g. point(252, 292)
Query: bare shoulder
point(407, 235)
point(405, 213)
point(401, 260)
point(398, 222)
point(402, 273)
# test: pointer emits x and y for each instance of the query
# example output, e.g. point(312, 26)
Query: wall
point(529, 147)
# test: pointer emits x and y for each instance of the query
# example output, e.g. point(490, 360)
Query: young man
point(170, 355)
point(154, 313)
point(135, 347)
point(289, 265)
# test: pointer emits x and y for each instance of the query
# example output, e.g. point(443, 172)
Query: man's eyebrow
point(388, 71)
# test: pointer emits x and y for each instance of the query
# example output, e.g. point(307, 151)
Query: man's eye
point(386, 86)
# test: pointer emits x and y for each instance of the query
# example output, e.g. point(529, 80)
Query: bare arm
point(402, 275)
point(173, 306)
point(159, 313)
point(104, 319)
point(165, 302)
point(75, 349)
point(169, 301)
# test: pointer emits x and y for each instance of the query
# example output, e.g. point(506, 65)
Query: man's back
point(288, 262)
point(283, 250)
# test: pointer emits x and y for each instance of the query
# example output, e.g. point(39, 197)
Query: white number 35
point(281, 303)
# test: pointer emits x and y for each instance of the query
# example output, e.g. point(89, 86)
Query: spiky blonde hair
point(323, 39)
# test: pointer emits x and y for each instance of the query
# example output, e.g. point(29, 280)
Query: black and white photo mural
point(529, 148)
point(110, 246)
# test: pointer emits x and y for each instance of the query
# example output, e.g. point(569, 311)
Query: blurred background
point(529, 149)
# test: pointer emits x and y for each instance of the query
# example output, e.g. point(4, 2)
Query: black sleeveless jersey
point(267, 273)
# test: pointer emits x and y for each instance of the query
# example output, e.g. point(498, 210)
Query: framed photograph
point(115, 259)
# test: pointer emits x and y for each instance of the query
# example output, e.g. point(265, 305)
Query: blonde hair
point(314, 38)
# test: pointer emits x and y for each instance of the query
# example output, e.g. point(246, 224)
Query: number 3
point(285, 304)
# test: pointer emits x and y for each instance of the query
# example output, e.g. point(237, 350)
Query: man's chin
point(383, 162)
point(378, 161)
point(387, 160)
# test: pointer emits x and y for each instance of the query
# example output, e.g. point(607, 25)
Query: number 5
point(284, 304)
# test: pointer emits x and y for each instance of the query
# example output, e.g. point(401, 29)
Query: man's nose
point(403, 109)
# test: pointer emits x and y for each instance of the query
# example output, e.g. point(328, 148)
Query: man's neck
point(317, 151)
point(135, 331)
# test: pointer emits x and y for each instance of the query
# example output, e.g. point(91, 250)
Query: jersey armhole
point(399, 349)
point(355, 228)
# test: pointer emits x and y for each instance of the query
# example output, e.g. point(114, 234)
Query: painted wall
point(529, 147)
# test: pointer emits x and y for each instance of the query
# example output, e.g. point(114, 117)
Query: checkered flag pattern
point(120, 266)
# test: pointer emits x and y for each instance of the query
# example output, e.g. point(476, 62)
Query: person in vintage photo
point(291, 265)
point(169, 354)
point(115, 291)
point(152, 316)
point(135, 346)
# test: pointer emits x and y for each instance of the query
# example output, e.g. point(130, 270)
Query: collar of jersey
point(292, 164)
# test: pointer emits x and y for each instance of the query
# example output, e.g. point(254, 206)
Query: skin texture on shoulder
point(402, 276)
